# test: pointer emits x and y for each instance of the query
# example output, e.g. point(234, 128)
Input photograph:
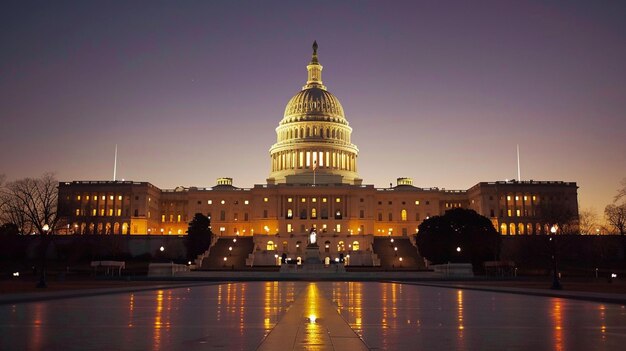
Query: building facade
point(313, 184)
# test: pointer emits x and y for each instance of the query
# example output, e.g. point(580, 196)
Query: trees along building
point(313, 183)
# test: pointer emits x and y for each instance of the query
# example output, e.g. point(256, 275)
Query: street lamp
point(42, 275)
point(556, 284)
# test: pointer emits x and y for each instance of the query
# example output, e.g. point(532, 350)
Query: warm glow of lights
point(312, 318)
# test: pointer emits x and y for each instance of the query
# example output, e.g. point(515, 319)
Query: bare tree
point(616, 217)
point(621, 192)
point(31, 203)
point(588, 221)
point(559, 215)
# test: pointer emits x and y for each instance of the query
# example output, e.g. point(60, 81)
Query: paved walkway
point(312, 323)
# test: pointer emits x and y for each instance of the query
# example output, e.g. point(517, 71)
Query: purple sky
point(438, 91)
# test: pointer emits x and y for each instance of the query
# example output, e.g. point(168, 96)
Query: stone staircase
point(389, 257)
point(235, 249)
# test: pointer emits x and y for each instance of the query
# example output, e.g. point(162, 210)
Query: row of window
point(102, 212)
point(341, 246)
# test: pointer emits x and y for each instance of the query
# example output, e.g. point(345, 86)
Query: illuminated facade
point(313, 183)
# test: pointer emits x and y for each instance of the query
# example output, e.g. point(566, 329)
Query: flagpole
point(115, 164)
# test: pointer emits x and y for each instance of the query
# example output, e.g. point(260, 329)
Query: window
point(338, 214)
point(313, 213)
point(119, 212)
point(270, 246)
point(390, 216)
point(245, 216)
point(324, 213)
point(246, 202)
point(264, 213)
point(380, 216)
point(503, 228)
point(303, 199)
point(355, 246)
point(338, 228)
point(289, 214)
point(289, 199)
point(210, 202)
point(178, 218)
point(136, 212)
point(78, 198)
point(509, 213)
point(171, 218)
point(338, 199)
point(119, 197)
point(78, 212)
point(417, 202)
point(417, 216)
point(102, 212)
point(222, 215)
point(362, 214)
point(222, 202)
point(303, 214)
point(289, 228)
point(361, 200)
point(265, 199)
point(341, 246)
point(427, 202)
point(491, 213)
point(403, 215)
point(323, 199)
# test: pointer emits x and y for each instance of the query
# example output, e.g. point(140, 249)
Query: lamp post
point(556, 284)
point(42, 273)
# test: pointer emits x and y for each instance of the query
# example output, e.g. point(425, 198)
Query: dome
point(313, 140)
point(313, 103)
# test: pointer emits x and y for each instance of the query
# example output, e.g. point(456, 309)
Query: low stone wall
point(166, 269)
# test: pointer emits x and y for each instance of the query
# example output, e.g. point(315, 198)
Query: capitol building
point(313, 184)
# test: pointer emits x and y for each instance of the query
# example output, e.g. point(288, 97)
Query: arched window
point(520, 228)
point(270, 246)
point(403, 215)
point(512, 230)
point(341, 246)
point(503, 230)
point(116, 228)
point(289, 214)
point(529, 229)
point(355, 246)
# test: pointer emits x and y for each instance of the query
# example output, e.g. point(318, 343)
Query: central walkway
point(312, 322)
point(312, 316)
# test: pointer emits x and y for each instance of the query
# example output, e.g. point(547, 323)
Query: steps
point(235, 258)
point(390, 258)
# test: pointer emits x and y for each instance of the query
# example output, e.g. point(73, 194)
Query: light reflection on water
point(237, 316)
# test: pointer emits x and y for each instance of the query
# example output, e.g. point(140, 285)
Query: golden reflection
point(271, 305)
point(459, 301)
point(557, 320)
point(218, 314)
point(157, 320)
point(131, 309)
point(603, 321)
point(314, 332)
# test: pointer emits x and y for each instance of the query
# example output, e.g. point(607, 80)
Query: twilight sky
point(440, 91)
